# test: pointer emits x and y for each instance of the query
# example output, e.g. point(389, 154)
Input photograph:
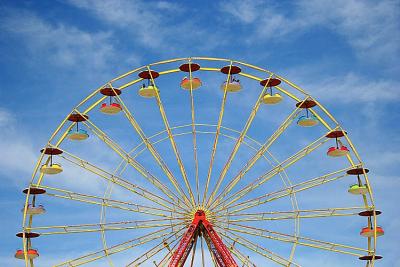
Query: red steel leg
point(201, 225)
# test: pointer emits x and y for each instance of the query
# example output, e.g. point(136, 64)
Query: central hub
point(200, 213)
point(199, 216)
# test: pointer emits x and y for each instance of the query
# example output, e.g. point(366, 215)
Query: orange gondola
point(112, 108)
point(30, 254)
point(369, 232)
point(193, 83)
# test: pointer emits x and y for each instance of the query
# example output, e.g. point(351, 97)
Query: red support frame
point(201, 226)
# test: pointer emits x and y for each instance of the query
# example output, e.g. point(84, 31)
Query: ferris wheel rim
point(197, 59)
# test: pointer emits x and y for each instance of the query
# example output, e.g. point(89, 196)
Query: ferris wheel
point(198, 162)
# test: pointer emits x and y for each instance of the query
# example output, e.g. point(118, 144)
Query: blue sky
point(54, 53)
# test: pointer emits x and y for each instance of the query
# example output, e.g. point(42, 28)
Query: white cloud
point(245, 11)
point(6, 118)
point(385, 160)
point(370, 27)
point(145, 23)
point(353, 87)
point(19, 155)
point(165, 5)
point(343, 87)
point(60, 44)
point(156, 26)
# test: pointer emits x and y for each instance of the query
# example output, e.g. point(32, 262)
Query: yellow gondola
point(357, 189)
point(272, 99)
point(307, 121)
point(77, 135)
point(51, 169)
point(149, 91)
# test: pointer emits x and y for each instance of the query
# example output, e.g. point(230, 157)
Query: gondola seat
point(186, 83)
point(110, 109)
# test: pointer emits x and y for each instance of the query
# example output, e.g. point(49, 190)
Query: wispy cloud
point(369, 27)
point(147, 25)
point(368, 30)
point(351, 87)
point(59, 44)
point(158, 28)
point(245, 11)
point(19, 154)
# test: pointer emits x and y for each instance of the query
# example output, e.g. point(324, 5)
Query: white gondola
point(233, 86)
point(34, 210)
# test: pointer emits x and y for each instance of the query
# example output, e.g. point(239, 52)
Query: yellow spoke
point(98, 227)
point(138, 190)
point(243, 258)
point(153, 251)
point(107, 251)
point(196, 162)
point(287, 191)
point(131, 161)
point(257, 248)
point(274, 171)
point(166, 259)
point(238, 143)
point(227, 217)
point(202, 252)
point(111, 203)
point(193, 251)
point(260, 153)
point(221, 115)
point(150, 147)
point(299, 240)
point(172, 140)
